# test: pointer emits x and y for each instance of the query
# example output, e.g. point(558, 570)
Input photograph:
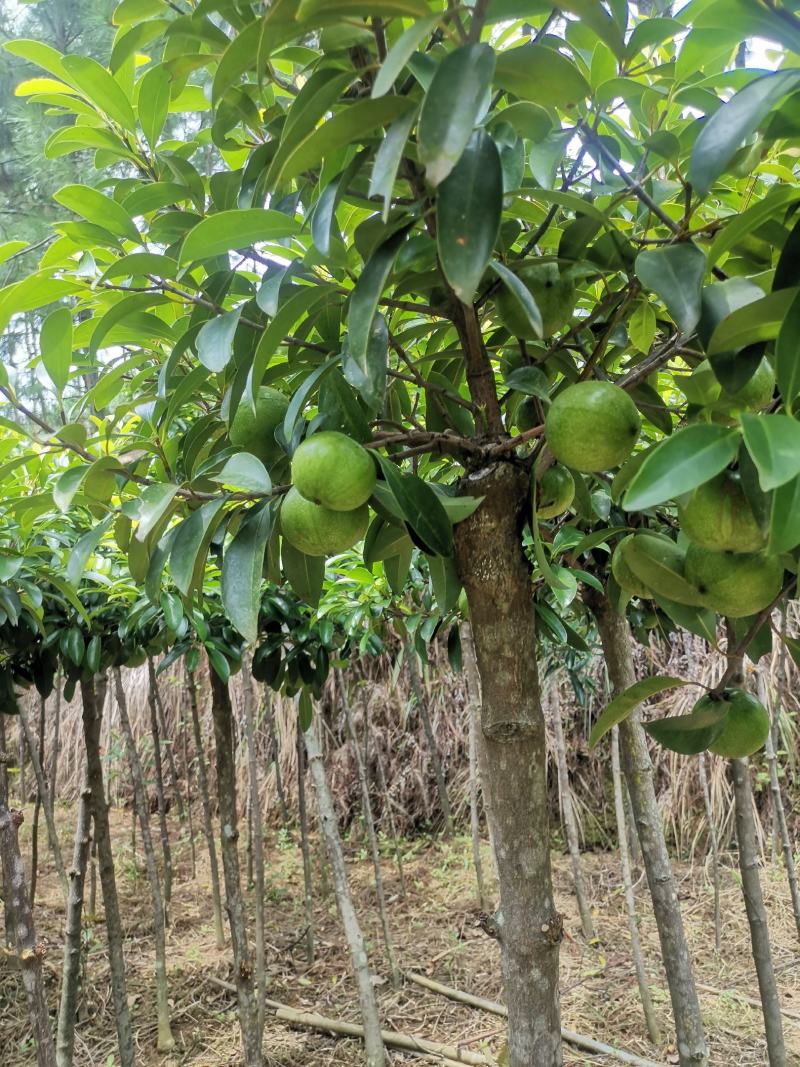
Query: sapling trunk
point(44, 796)
point(473, 706)
point(421, 698)
point(713, 844)
point(496, 576)
point(55, 748)
point(257, 837)
point(37, 804)
point(8, 918)
point(234, 902)
point(29, 953)
point(208, 822)
point(166, 848)
point(187, 771)
point(174, 781)
point(73, 928)
point(372, 837)
point(373, 1042)
point(617, 644)
point(568, 813)
point(276, 755)
point(630, 903)
point(308, 887)
point(778, 809)
point(751, 886)
point(165, 1040)
point(23, 785)
point(93, 696)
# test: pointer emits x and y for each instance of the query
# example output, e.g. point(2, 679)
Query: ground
point(437, 934)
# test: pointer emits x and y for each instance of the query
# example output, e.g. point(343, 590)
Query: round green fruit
point(718, 515)
point(555, 492)
point(745, 727)
point(621, 570)
point(657, 563)
point(334, 471)
point(318, 531)
point(254, 431)
point(755, 394)
point(592, 426)
point(527, 414)
point(553, 292)
point(732, 584)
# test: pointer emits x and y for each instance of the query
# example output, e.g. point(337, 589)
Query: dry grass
point(437, 934)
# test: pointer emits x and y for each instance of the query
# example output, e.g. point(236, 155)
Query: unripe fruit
point(621, 570)
point(255, 431)
point(745, 727)
point(318, 531)
point(334, 471)
point(553, 292)
point(657, 562)
point(718, 516)
point(732, 584)
point(554, 492)
point(592, 426)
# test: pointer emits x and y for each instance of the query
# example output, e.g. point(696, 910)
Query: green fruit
point(732, 584)
point(657, 563)
point(527, 414)
point(555, 492)
point(745, 728)
point(592, 426)
point(553, 292)
point(718, 515)
point(755, 394)
point(254, 431)
point(333, 470)
point(318, 531)
point(621, 570)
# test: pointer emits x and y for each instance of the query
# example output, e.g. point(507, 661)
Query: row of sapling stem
point(44, 798)
point(155, 733)
point(257, 836)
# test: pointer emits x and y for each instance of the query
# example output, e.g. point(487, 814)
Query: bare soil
point(437, 933)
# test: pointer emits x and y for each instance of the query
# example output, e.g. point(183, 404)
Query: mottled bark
point(29, 953)
point(93, 696)
point(495, 574)
point(375, 1055)
point(234, 902)
point(73, 928)
point(617, 644)
point(473, 710)
point(165, 1040)
point(208, 822)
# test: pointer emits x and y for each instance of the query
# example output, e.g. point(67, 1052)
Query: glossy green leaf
point(56, 347)
point(190, 545)
point(387, 160)
point(305, 573)
point(83, 548)
point(401, 51)
point(690, 457)
point(692, 733)
point(745, 222)
point(153, 102)
point(628, 701)
point(446, 582)
point(773, 442)
point(787, 355)
point(244, 472)
point(421, 508)
point(242, 565)
point(453, 104)
point(784, 526)
point(367, 375)
point(215, 340)
point(68, 485)
point(675, 273)
point(539, 73)
point(235, 229)
point(99, 209)
point(468, 209)
point(760, 320)
point(733, 123)
point(521, 294)
point(101, 89)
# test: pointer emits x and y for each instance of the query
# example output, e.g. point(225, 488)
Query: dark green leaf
point(421, 508)
point(784, 527)
point(675, 274)
point(235, 229)
point(387, 161)
point(692, 733)
point(191, 544)
point(679, 464)
point(773, 442)
point(305, 573)
point(400, 53)
point(446, 582)
point(539, 73)
point(215, 340)
point(787, 355)
point(760, 320)
point(83, 548)
point(523, 297)
point(627, 702)
point(241, 571)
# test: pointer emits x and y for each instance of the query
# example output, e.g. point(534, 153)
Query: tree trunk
point(630, 903)
point(37, 804)
point(165, 1040)
point(373, 1042)
point(56, 744)
point(257, 838)
point(162, 722)
point(229, 834)
point(778, 810)
point(420, 695)
point(617, 644)
point(713, 843)
point(570, 822)
point(93, 696)
point(496, 576)
point(473, 705)
point(756, 912)
point(166, 848)
point(43, 795)
point(187, 771)
point(308, 888)
point(208, 823)
point(29, 953)
point(372, 837)
point(73, 927)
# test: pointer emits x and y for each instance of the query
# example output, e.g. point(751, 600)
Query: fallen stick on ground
point(449, 1055)
point(390, 1037)
point(588, 1044)
point(792, 1015)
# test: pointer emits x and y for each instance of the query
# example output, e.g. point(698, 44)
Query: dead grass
point(437, 933)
